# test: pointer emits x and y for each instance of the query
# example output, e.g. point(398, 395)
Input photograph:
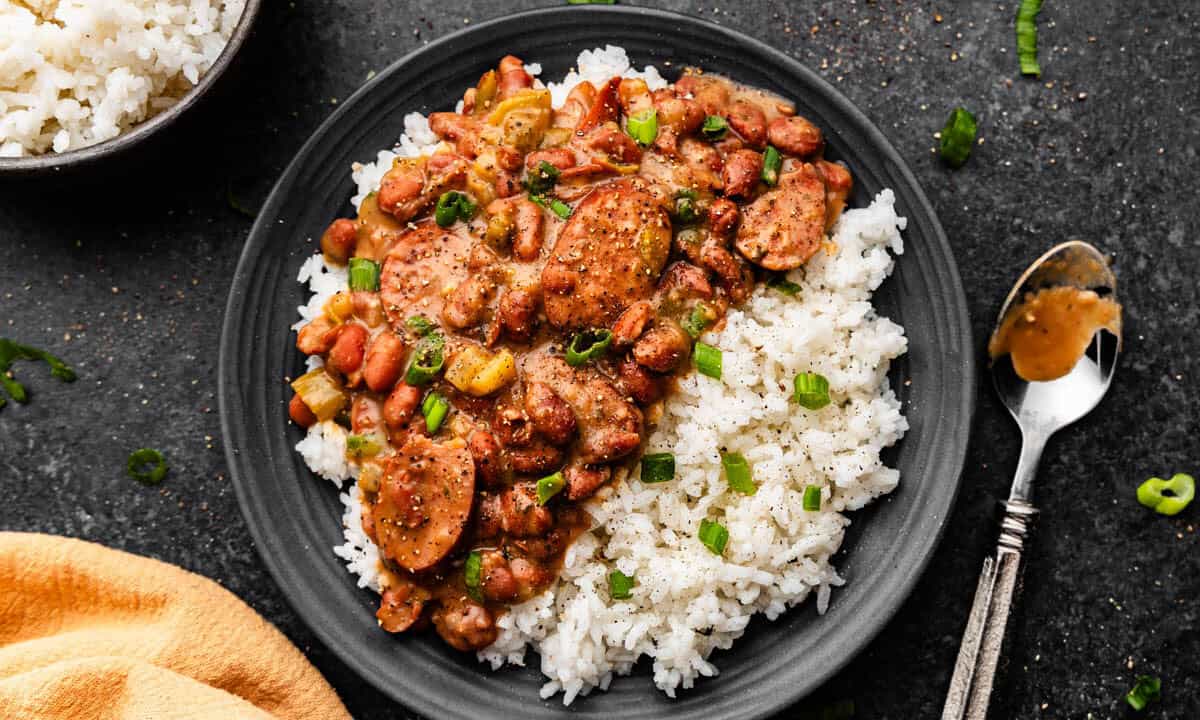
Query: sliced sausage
point(424, 502)
point(795, 136)
point(785, 226)
point(421, 265)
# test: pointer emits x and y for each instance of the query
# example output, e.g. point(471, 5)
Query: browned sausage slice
point(607, 256)
point(785, 227)
point(422, 265)
point(424, 502)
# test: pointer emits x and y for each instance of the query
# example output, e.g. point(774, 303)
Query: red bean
point(384, 363)
point(795, 136)
point(748, 121)
point(339, 239)
point(347, 352)
point(551, 416)
point(316, 337)
point(400, 405)
point(300, 413)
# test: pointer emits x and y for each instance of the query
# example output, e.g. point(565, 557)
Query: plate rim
point(872, 623)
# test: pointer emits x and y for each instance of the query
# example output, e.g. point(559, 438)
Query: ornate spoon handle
point(979, 654)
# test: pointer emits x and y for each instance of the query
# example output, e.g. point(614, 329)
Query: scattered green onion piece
point(362, 445)
point(708, 360)
point(434, 408)
point(472, 575)
point(714, 127)
point(737, 473)
point(620, 585)
point(542, 179)
point(427, 361)
point(643, 126)
point(560, 208)
point(549, 486)
point(811, 390)
point(698, 320)
point(1167, 497)
point(420, 325)
point(588, 345)
point(658, 467)
point(688, 193)
point(772, 162)
point(451, 206)
point(1027, 37)
point(364, 275)
point(812, 498)
point(685, 210)
point(714, 536)
point(10, 351)
point(958, 137)
point(1145, 690)
point(138, 462)
point(783, 285)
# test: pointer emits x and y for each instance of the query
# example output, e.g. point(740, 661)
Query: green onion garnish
point(364, 274)
point(362, 445)
point(708, 360)
point(958, 137)
point(714, 536)
point(620, 585)
point(1027, 36)
point(542, 179)
point(427, 360)
point(588, 345)
point(685, 210)
point(472, 575)
point(549, 486)
point(434, 408)
point(451, 206)
point(714, 127)
point(1145, 690)
point(658, 467)
point(783, 285)
point(698, 320)
point(147, 466)
point(643, 127)
point(420, 325)
point(772, 162)
point(811, 390)
point(10, 352)
point(554, 205)
point(812, 498)
point(737, 473)
point(1167, 497)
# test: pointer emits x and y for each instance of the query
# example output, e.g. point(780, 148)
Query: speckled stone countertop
point(126, 277)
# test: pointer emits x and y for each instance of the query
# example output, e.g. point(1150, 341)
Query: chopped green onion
point(620, 585)
point(549, 486)
point(451, 206)
point(1027, 36)
point(658, 467)
point(698, 321)
point(958, 136)
point(811, 390)
point(688, 193)
point(473, 574)
point(643, 127)
point(783, 285)
point(147, 466)
point(11, 351)
point(554, 205)
point(434, 408)
point(812, 498)
point(714, 536)
point(1167, 497)
point(714, 127)
point(737, 473)
point(420, 325)
point(1145, 690)
point(772, 162)
point(685, 210)
point(364, 274)
point(542, 179)
point(588, 345)
point(708, 360)
point(427, 360)
point(362, 445)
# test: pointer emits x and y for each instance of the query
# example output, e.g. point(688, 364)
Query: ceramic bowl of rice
point(797, 594)
point(85, 80)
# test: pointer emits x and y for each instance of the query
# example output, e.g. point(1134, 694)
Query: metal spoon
point(1041, 409)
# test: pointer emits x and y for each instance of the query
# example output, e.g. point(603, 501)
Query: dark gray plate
point(294, 517)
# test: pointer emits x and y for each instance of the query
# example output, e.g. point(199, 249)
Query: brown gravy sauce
point(1051, 329)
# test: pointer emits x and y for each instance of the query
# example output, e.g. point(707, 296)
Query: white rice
point(688, 601)
point(77, 72)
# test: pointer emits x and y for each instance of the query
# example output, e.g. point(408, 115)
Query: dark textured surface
point(126, 277)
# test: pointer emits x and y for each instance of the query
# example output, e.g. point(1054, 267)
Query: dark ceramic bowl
point(93, 155)
point(295, 517)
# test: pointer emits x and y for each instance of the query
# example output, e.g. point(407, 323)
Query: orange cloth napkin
point(88, 632)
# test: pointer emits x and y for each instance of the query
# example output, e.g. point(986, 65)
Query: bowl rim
point(91, 154)
point(880, 612)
